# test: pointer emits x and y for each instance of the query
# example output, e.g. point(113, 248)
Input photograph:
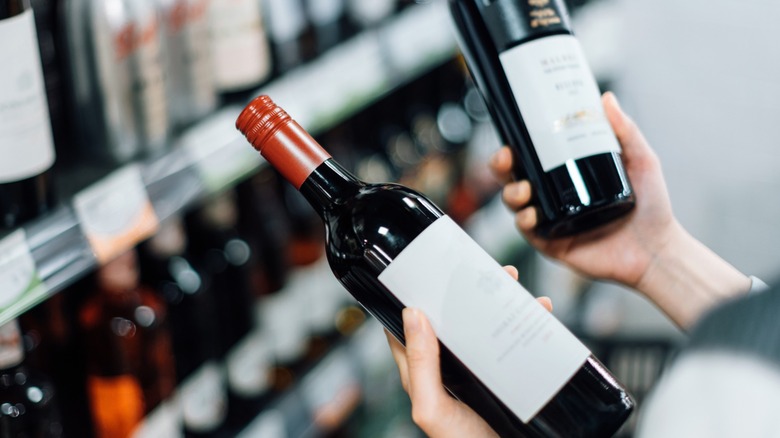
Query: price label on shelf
point(20, 284)
point(115, 213)
point(219, 151)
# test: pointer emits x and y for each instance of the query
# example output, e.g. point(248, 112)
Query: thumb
point(430, 402)
point(635, 147)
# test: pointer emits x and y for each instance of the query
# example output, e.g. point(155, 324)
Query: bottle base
point(587, 219)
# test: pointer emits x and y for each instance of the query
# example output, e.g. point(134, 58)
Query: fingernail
point(411, 320)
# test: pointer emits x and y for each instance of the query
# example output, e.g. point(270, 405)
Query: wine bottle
point(327, 18)
point(368, 14)
point(150, 94)
point(502, 353)
point(188, 62)
point(168, 267)
point(130, 369)
point(286, 26)
point(99, 48)
point(225, 256)
point(26, 144)
point(29, 406)
point(544, 101)
point(47, 25)
point(241, 55)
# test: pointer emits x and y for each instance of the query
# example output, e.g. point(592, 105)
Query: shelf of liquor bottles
point(122, 208)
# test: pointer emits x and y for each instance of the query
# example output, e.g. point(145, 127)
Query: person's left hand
point(436, 412)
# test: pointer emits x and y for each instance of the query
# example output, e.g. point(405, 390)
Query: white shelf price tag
point(20, 284)
point(115, 214)
point(219, 151)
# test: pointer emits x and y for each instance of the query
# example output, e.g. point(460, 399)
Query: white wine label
point(115, 213)
point(203, 398)
point(241, 55)
point(20, 283)
point(488, 320)
point(559, 100)
point(249, 365)
point(26, 143)
point(218, 151)
point(163, 421)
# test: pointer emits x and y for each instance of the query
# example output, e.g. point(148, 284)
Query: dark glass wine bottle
point(28, 406)
point(26, 144)
point(503, 354)
point(168, 266)
point(544, 101)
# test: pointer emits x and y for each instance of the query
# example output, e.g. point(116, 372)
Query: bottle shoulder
point(379, 218)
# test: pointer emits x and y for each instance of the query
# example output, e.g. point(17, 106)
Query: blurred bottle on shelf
point(239, 45)
point(188, 62)
point(28, 406)
point(287, 26)
point(168, 267)
point(100, 44)
point(328, 22)
point(26, 142)
point(50, 45)
point(130, 369)
point(262, 221)
point(367, 14)
point(116, 79)
point(226, 256)
point(150, 94)
point(53, 347)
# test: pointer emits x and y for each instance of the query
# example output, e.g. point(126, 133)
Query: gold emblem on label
point(539, 3)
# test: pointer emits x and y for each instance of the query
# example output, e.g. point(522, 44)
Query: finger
point(429, 400)
point(501, 165)
point(516, 195)
point(546, 302)
point(526, 219)
point(633, 143)
point(399, 355)
point(511, 270)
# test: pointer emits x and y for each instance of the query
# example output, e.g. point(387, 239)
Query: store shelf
point(120, 210)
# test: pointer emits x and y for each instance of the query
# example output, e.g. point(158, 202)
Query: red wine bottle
point(26, 145)
point(545, 103)
point(503, 354)
point(28, 400)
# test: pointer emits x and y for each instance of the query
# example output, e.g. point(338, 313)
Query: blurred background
point(166, 282)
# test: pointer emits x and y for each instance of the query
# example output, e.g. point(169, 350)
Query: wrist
point(685, 279)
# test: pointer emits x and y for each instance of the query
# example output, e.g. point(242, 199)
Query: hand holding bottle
point(647, 249)
point(433, 409)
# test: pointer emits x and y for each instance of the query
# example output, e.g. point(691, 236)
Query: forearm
point(686, 279)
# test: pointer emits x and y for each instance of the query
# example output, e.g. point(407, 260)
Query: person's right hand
point(623, 250)
point(647, 249)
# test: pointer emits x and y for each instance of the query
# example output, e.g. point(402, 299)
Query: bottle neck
point(329, 185)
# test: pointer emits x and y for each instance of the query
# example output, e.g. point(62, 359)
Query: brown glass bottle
point(130, 368)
